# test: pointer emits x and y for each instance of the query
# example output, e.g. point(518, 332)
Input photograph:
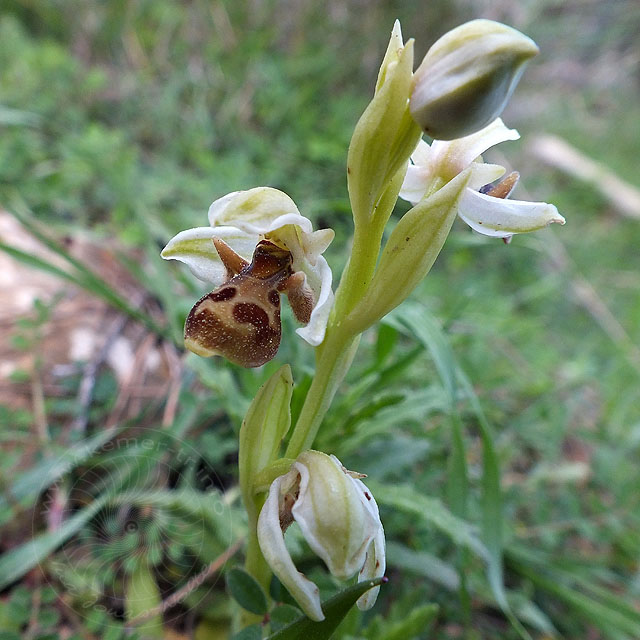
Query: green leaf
point(385, 343)
point(422, 563)
point(142, 597)
point(419, 324)
point(246, 591)
point(252, 632)
point(335, 609)
point(409, 254)
point(283, 615)
point(265, 425)
point(80, 274)
point(18, 561)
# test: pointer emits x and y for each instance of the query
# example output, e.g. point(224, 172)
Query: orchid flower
point(485, 209)
point(259, 244)
point(338, 518)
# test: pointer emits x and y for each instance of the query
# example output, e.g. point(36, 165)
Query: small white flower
point(433, 166)
point(241, 219)
point(338, 518)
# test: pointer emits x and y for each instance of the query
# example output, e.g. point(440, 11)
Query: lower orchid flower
point(484, 208)
point(257, 247)
point(338, 518)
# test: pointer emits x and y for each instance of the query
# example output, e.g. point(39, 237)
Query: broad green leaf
point(265, 425)
point(143, 597)
point(335, 609)
point(246, 591)
point(252, 632)
point(409, 254)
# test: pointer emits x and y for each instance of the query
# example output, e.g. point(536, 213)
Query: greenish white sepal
point(501, 218)
point(338, 518)
point(274, 550)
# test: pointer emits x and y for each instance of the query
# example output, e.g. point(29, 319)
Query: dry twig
point(192, 585)
point(559, 154)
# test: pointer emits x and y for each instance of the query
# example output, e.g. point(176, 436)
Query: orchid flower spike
point(257, 246)
point(339, 519)
point(482, 206)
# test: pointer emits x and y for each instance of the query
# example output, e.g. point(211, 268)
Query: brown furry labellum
point(240, 320)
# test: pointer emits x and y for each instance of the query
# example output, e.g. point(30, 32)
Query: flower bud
point(467, 77)
point(338, 518)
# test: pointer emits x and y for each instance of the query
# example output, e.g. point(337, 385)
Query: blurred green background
point(120, 122)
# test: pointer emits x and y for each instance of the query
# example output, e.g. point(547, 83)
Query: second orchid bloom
point(257, 246)
point(483, 207)
point(338, 518)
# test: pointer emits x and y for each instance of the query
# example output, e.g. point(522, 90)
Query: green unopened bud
point(385, 135)
point(467, 77)
point(339, 519)
point(265, 425)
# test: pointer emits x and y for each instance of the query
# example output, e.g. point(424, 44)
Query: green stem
point(358, 272)
point(335, 355)
point(254, 563)
point(333, 360)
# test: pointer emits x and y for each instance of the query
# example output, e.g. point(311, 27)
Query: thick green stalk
point(333, 360)
point(357, 274)
point(335, 354)
point(254, 563)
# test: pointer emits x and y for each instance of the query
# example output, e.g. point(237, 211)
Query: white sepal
point(274, 550)
point(443, 161)
point(330, 510)
point(501, 218)
point(195, 248)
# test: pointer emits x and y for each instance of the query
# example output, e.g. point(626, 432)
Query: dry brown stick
point(136, 373)
point(558, 153)
point(37, 400)
point(36, 603)
point(90, 373)
point(587, 296)
point(175, 369)
point(191, 585)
